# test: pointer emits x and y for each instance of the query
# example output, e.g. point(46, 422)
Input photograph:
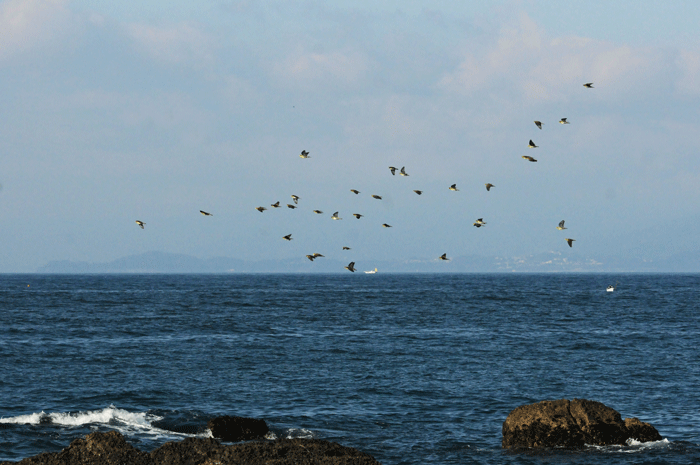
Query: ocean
point(410, 368)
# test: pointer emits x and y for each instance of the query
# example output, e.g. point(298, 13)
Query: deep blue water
point(412, 369)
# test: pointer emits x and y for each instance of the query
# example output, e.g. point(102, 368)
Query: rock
point(234, 429)
point(112, 449)
point(571, 424)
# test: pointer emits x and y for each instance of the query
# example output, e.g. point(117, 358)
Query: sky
point(112, 112)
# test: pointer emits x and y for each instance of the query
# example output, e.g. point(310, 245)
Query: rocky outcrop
point(112, 449)
point(234, 429)
point(571, 424)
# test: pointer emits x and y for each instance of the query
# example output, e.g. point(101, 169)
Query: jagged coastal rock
point(112, 449)
point(571, 424)
point(234, 429)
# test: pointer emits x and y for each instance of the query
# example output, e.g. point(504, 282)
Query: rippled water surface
point(412, 369)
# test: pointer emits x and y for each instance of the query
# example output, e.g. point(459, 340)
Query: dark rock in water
point(112, 449)
point(571, 424)
point(93, 449)
point(234, 429)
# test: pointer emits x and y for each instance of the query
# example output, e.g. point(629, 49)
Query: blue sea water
point(412, 369)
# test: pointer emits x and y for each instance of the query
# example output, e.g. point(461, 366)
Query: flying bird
point(318, 212)
point(351, 267)
point(357, 215)
point(346, 248)
point(561, 225)
point(260, 209)
point(443, 257)
point(538, 124)
point(140, 223)
point(386, 225)
point(528, 158)
point(570, 241)
point(276, 204)
point(403, 171)
point(393, 170)
point(532, 145)
point(310, 257)
point(291, 206)
point(489, 186)
point(288, 237)
point(480, 222)
point(418, 192)
point(354, 191)
point(377, 197)
point(304, 154)
point(453, 187)
point(335, 216)
point(316, 255)
point(205, 213)
point(588, 85)
point(563, 121)
point(295, 198)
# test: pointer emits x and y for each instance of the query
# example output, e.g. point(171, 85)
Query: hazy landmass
point(162, 262)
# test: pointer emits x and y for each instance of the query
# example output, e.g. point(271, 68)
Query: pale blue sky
point(154, 110)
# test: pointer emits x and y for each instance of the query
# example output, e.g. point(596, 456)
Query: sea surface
point(413, 369)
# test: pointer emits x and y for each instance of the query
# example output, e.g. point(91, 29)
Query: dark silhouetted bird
point(304, 154)
point(205, 213)
point(532, 145)
point(354, 191)
point(570, 242)
point(563, 121)
point(260, 209)
point(529, 158)
point(453, 187)
point(418, 192)
point(588, 85)
point(351, 267)
point(561, 225)
point(443, 257)
point(357, 215)
point(538, 124)
point(489, 186)
point(140, 223)
point(377, 197)
point(393, 170)
point(288, 237)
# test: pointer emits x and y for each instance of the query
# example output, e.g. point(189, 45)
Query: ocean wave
point(124, 421)
point(633, 446)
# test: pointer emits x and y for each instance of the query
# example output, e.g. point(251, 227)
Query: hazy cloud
point(27, 24)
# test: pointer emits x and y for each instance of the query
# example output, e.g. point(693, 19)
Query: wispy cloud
point(182, 44)
point(27, 24)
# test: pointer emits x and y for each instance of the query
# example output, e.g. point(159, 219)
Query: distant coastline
point(548, 262)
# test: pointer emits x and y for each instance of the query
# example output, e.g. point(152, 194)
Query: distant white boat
point(611, 287)
point(371, 271)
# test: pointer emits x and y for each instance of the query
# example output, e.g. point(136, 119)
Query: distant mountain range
point(162, 262)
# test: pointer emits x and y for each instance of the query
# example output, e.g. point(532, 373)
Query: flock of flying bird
point(351, 266)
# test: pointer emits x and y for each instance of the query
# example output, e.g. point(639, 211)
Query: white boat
point(612, 287)
point(371, 271)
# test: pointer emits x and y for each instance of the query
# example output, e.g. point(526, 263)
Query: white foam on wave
point(633, 446)
point(109, 415)
point(303, 433)
point(127, 423)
